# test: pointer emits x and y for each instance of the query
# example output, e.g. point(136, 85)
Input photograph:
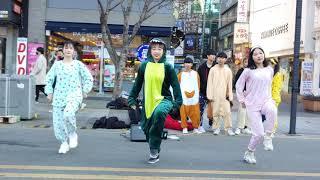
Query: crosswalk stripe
point(168, 171)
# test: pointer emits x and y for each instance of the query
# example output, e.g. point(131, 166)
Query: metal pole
point(295, 80)
point(203, 28)
point(101, 70)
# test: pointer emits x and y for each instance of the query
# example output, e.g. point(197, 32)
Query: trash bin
point(4, 95)
point(18, 99)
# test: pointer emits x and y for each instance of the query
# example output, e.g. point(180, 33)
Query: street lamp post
point(295, 88)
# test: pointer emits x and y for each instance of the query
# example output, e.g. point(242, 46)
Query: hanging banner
point(306, 77)
point(242, 13)
point(21, 60)
point(32, 55)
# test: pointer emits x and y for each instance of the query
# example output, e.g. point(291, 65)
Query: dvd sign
point(21, 56)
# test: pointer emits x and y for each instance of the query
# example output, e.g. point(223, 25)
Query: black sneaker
point(153, 160)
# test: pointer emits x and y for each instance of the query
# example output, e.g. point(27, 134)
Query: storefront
point(11, 27)
point(88, 46)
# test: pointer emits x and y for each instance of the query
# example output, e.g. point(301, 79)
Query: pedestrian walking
point(203, 72)
point(242, 118)
point(257, 99)
point(73, 83)
point(190, 86)
point(157, 76)
point(219, 92)
point(39, 71)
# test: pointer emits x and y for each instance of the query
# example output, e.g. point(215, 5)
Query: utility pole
point(295, 88)
point(203, 28)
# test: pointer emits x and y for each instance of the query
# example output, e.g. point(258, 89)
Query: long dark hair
point(276, 68)
point(251, 63)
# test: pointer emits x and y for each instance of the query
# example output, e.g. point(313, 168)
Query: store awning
point(96, 28)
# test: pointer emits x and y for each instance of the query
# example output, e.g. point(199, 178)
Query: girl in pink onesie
point(257, 100)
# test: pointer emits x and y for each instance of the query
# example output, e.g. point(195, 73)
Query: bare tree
point(149, 8)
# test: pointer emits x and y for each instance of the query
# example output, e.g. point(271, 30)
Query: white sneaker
point(64, 148)
point(238, 131)
point(196, 131)
point(246, 131)
point(230, 132)
point(201, 129)
point(185, 131)
point(249, 157)
point(216, 131)
point(83, 105)
point(73, 140)
point(267, 142)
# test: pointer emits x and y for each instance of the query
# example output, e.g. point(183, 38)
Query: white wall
point(266, 15)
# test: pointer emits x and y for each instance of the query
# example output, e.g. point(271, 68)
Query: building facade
point(272, 26)
point(13, 24)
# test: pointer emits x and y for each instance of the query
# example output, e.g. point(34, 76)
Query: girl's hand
point(49, 97)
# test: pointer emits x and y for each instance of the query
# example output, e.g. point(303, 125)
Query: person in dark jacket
point(203, 72)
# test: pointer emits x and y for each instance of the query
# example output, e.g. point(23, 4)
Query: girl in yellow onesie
point(277, 82)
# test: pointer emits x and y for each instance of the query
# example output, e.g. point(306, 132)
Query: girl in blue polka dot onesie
point(73, 82)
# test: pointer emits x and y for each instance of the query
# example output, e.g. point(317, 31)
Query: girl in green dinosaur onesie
point(157, 76)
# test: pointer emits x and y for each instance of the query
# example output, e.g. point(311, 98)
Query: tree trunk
point(119, 69)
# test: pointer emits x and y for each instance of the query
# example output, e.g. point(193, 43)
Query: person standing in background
point(39, 71)
point(203, 72)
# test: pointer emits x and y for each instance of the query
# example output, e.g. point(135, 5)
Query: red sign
point(21, 61)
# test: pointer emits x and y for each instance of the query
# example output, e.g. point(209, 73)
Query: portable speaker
point(137, 134)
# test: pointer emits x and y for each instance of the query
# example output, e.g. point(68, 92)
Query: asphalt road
point(31, 153)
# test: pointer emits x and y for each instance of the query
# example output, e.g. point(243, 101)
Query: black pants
point(38, 89)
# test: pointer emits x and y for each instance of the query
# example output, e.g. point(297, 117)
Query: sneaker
point(153, 158)
point(246, 131)
point(230, 132)
point(238, 131)
point(216, 131)
point(201, 129)
point(267, 142)
point(83, 105)
point(185, 131)
point(73, 140)
point(196, 131)
point(37, 102)
point(249, 157)
point(64, 148)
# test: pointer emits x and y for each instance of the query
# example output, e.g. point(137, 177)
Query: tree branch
point(147, 13)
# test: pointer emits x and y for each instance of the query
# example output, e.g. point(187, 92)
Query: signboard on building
point(4, 15)
point(32, 55)
point(306, 77)
point(21, 60)
point(242, 11)
point(109, 76)
point(142, 52)
point(241, 33)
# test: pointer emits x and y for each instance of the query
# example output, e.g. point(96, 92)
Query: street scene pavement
point(29, 150)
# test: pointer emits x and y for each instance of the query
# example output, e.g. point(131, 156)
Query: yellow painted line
point(168, 171)
point(115, 177)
